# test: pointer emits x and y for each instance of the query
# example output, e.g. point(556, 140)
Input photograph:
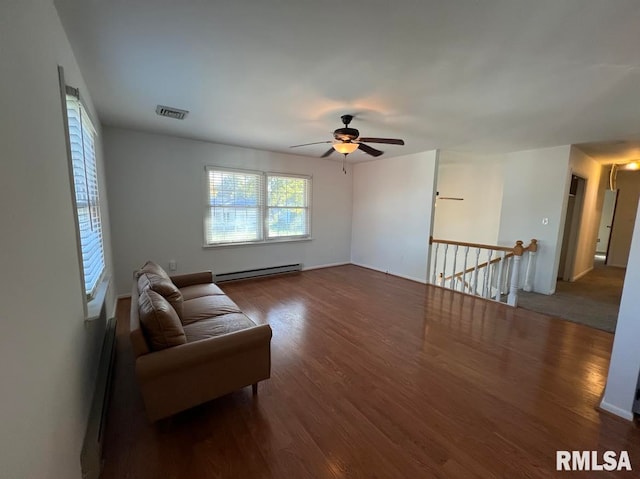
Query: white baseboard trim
point(410, 278)
point(585, 272)
point(623, 413)
point(618, 265)
point(320, 266)
point(306, 268)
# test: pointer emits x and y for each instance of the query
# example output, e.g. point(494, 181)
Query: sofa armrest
point(187, 355)
point(182, 280)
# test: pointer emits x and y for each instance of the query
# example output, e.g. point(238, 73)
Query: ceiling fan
point(347, 140)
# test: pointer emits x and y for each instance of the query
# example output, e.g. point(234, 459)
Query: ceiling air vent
point(171, 112)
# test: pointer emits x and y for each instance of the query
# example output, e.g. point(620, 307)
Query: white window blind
point(252, 206)
point(235, 207)
point(85, 182)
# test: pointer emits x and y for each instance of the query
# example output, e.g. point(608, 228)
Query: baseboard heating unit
point(91, 454)
point(256, 273)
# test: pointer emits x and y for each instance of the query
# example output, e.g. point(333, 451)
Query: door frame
point(613, 218)
point(575, 228)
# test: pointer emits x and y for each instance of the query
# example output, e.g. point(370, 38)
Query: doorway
point(592, 299)
point(571, 228)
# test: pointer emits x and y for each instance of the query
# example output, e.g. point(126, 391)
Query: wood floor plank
point(377, 376)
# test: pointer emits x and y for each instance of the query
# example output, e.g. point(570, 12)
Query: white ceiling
point(469, 75)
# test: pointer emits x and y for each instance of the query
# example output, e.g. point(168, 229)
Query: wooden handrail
point(519, 250)
point(532, 246)
point(471, 245)
point(480, 266)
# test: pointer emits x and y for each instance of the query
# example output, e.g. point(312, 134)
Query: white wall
point(628, 184)
point(536, 186)
point(392, 214)
point(156, 194)
point(587, 168)
point(479, 180)
point(48, 353)
point(625, 356)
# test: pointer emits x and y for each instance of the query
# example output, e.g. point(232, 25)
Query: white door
point(604, 231)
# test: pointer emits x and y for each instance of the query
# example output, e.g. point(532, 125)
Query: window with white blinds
point(85, 181)
point(252, 206)
point(287, 206)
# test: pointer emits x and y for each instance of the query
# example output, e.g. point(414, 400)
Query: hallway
point(592, 300)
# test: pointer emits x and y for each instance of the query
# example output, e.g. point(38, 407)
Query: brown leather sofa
point(192, 343)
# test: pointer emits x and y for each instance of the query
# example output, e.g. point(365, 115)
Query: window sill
point(256, 243)
point(95, 305)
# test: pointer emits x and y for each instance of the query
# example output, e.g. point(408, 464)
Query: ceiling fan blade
point(389, 141)
point(369, 150)
point(307, 144)
point(328, 152)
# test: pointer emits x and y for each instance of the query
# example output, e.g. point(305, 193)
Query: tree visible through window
point(251, 206)
point(288, 206)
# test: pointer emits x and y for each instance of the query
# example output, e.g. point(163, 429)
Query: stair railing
point(489, 271)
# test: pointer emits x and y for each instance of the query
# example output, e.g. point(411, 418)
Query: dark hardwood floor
point(377, 376)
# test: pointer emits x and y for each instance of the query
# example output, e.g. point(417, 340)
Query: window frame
point(263, 208)
point(208, 206)
point(93, 299)
point(309, 189)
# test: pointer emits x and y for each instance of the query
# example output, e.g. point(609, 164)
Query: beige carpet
point(593, 300)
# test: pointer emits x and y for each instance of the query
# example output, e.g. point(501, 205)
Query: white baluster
point(486, 290)
point(500, 273)
point(435, 264)
point(507, 277)
point(444, 266)
point(464, 270)
point(452, 283)
point(531, 266)
point(512, 299)
point(475, 273)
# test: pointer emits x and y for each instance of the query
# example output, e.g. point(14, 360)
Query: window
point(287, 206)
point(85, 183)
point(253, 207)
point(235, 207)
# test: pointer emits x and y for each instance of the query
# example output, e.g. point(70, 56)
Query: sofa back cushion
point(164, 287)
point(153, 268)
point(160, 323)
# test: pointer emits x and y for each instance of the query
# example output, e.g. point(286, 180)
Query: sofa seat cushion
point(160, 323)
point(163, 287)
point(217, 326)
point(199, 290)
point(205, 307)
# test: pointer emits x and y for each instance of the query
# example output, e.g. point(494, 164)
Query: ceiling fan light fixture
point(345, 147)
point(347, 140)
